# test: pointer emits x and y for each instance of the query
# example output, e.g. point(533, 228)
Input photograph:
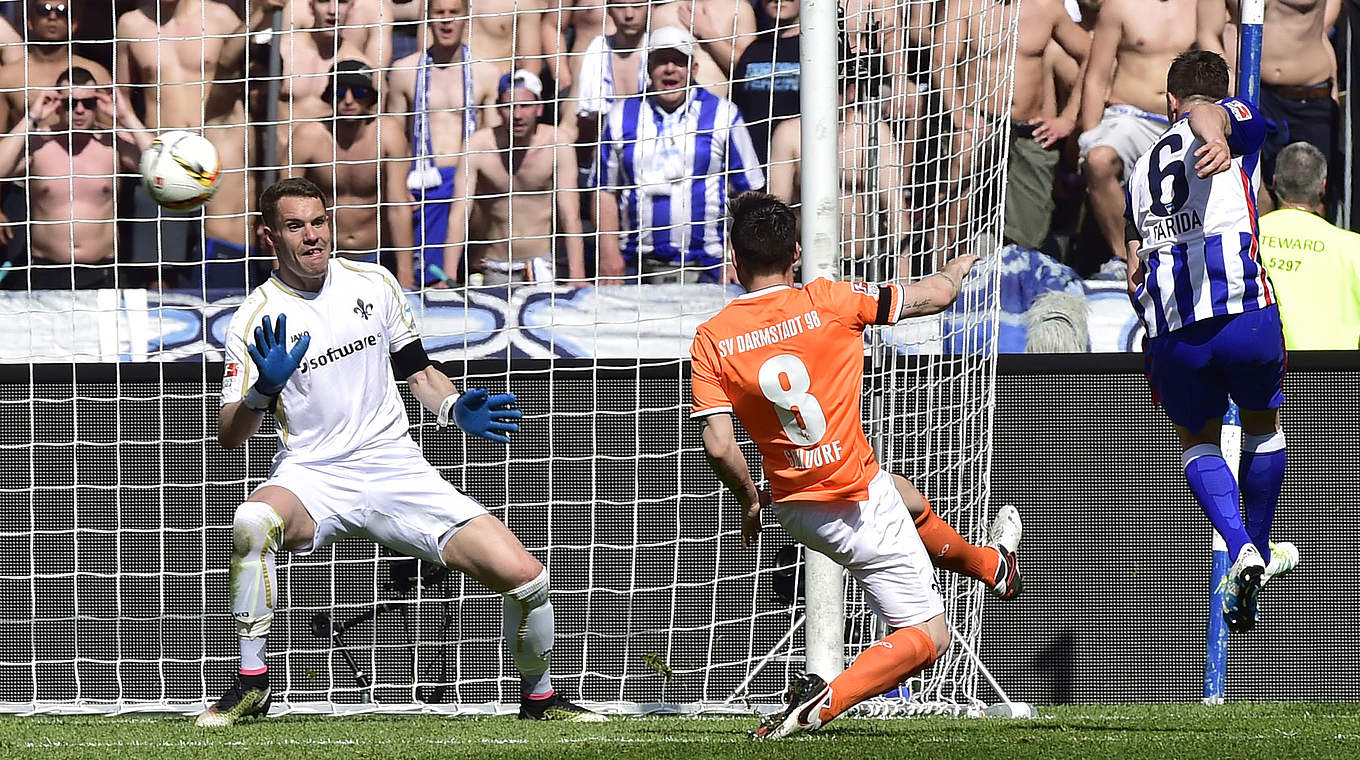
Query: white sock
point(257, 535)
point(528, 630)
point(252, 655)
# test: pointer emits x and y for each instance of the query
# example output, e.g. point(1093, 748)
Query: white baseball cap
point(523, 79)
point(671, 38)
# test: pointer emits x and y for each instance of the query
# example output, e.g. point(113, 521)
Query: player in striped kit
point(347, 466)
point(1213, 328)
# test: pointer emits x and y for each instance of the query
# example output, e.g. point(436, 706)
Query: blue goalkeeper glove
point(478, 412)
point(272, 357)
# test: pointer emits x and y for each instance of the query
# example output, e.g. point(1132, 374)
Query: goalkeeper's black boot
point(248, 697)
point(807, 695)
point(556, 708)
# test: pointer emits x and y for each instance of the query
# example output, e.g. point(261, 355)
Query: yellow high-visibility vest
point(1315, 269)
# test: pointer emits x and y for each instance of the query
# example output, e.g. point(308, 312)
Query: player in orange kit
point(789, 364)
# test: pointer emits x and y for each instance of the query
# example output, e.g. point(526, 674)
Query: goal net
point(117, 500)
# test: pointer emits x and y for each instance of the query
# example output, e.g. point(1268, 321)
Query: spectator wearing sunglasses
point(72, 169)
point(518, 193)
point(314, 43)
point(363, 169)
point(45, 55)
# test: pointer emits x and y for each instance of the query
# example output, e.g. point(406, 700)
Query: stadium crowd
point(598, 141)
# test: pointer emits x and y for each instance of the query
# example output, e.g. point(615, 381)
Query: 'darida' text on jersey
point(1174, 226)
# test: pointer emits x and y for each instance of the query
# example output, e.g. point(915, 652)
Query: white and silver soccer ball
point(180, 170)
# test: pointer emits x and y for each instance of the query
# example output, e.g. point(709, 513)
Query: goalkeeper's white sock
point(257, 535)
point(528, 630)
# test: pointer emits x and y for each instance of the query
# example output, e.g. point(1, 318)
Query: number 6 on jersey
point(798, 410)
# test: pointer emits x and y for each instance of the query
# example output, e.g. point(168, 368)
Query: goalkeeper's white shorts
point(393, 497)
point(876, 541)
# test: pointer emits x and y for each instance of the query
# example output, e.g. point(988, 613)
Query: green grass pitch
point(1166, 732)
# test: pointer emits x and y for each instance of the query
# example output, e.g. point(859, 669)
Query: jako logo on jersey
point(335, 354)
point(295, 337)
point(363, 309)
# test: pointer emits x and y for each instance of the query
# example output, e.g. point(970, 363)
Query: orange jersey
point(790, 364)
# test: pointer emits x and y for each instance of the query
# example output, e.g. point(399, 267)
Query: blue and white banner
point(539, 321)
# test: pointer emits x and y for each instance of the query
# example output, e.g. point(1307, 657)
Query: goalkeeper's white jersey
point(343, 398)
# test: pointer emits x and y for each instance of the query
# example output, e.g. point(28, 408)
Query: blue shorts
point(1195, 369)
point(432, 224)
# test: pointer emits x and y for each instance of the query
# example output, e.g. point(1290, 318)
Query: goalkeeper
point(788, 363)
point(346, 464)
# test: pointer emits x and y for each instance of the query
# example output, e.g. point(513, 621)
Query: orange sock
point(947, 549)
point(879, 668)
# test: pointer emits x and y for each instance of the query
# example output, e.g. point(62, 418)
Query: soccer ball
point(180, 170)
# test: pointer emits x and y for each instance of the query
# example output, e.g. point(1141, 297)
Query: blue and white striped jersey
point(1199, 235)
point(674, 173)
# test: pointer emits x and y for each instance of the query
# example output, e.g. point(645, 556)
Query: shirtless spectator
point(557, 35)
point(169, 51)
point(362, 168)
point(967, 65)
point(866, 169)
point(519, 183)
point(71, 171)
point(370, 28)
point(43, 57)
point(46, 54)
point(312, 43)
point(429, 94)
point(365, 25)
point(901, 38)
point(1298, 75)
point(232, 260)
point(1123, 103)
point(507, 34)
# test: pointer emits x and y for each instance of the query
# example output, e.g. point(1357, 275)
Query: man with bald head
point(1123, 103)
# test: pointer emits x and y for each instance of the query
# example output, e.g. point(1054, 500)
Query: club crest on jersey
point(1238, 109)
point(363, 309)
point(233, 369)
